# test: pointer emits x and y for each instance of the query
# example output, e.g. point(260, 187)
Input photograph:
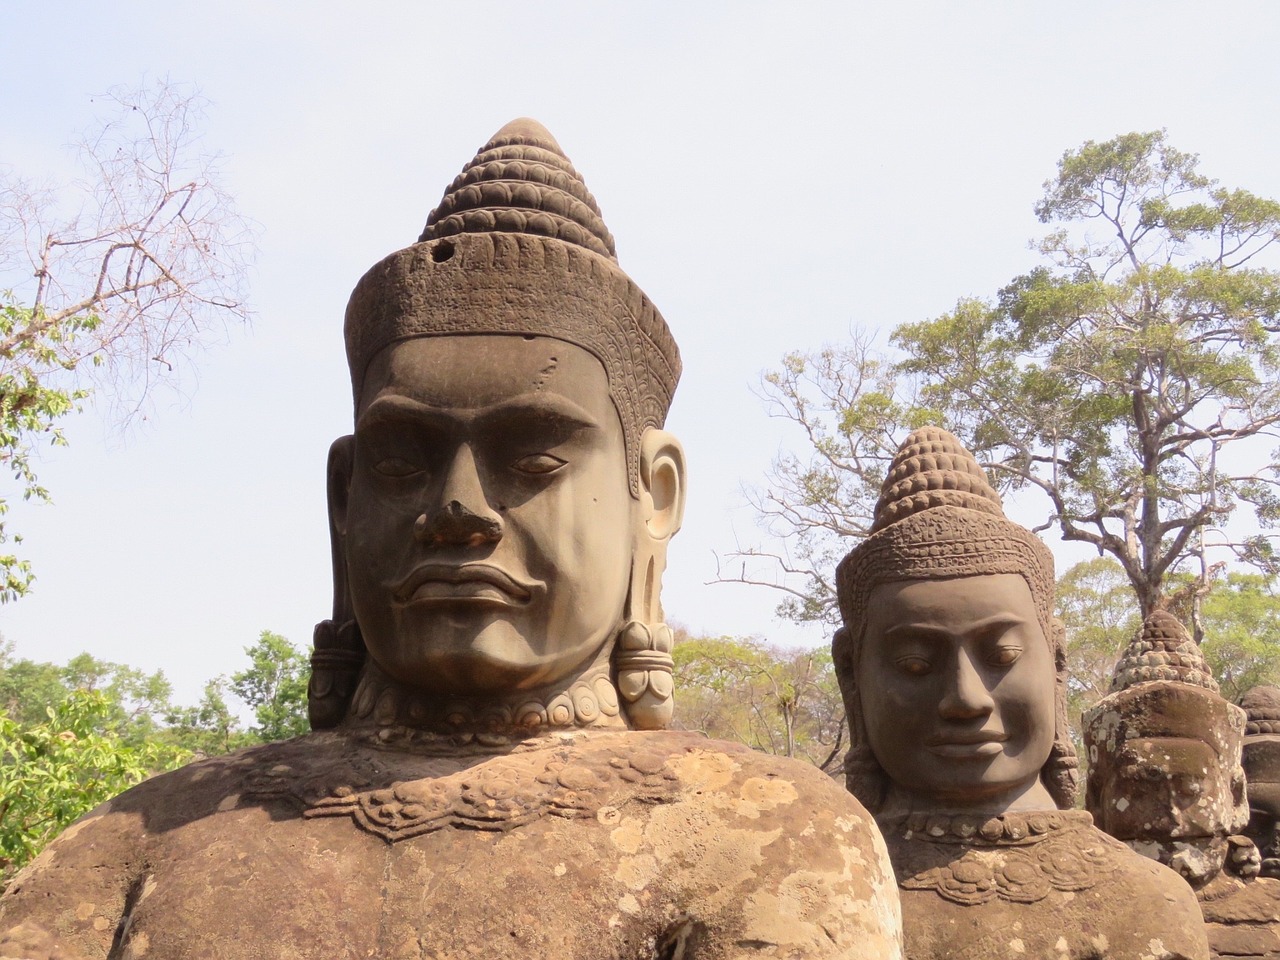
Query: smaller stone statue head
point(501, 514)
point(1262, 772)
point(1164, 754)
point(950, 661)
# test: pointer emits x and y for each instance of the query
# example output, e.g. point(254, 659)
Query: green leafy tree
point(113, 281)
point(136, 702)
point(784, 702)
point(275, 687)
point(1127, 380)
point(1241, 617)
point(210, 728)
point(1097, 606)
point(75, 735)
point(54, 771)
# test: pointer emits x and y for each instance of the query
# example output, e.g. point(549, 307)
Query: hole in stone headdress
point(442, 252)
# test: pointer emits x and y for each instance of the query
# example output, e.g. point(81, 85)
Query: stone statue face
point(1262, 770)
point(488, 527)
point(1162, 788)
point(956, 681)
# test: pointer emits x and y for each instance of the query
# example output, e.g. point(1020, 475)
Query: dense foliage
point(785, 702)
point(74, 735)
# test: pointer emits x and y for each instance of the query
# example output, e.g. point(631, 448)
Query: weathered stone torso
point(1039, 885)
point(578, 845)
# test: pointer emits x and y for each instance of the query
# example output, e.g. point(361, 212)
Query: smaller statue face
point(956, 682)
point(1166, 788)
point(1262, 769)
point(489, 526)
point(1264, 825)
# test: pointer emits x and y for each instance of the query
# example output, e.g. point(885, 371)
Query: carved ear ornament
point(336, 662)
point(642, 658)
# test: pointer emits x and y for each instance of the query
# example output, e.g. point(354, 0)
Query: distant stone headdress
point(1262, 707)
point(939, 518)
point(1162, 650)
point(517, 246)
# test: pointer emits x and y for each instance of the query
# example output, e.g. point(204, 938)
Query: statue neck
point(1031, 795)
point(587, 700)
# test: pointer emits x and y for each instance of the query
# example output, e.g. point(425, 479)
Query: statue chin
point(494, 663)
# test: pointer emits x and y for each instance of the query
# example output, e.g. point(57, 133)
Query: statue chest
point(322, 888)
point(1040, 886)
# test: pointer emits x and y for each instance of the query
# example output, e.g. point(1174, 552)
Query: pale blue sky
point(772, 173)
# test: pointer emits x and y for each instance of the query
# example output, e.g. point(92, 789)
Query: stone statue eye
point(396, 467)
point(914, 666)
point(538, 464)
point(1005, 656)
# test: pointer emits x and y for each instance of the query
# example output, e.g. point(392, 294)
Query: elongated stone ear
point(642, 654)
point(339, 650)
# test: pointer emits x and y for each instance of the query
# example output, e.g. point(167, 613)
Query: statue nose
point(462, 515)
point(455, 523)
point(967, 696)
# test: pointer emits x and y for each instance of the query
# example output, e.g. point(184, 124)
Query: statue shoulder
point(765, 849)
point(1151, 904)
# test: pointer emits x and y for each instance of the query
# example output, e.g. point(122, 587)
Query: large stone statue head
point(500, 516)
point(950, 660)
point(1164, 754)
point(1262, 772)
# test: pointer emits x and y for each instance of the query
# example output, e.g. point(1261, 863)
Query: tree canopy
point(1130, 381)
point(113, 281)
point(784, 702)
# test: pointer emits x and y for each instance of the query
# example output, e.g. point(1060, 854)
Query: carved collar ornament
point(517, 246)
point(939, 518)
point(397, 795)
point(1020, 858)
point(590, 700)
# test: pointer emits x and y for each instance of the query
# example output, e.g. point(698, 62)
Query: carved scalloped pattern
point(499, 793)
point(1068, 861)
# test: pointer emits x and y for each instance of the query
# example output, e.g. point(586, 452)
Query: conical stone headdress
point(1162, 650)
point(1262, 706)
point(938, 518)
point(517, 246)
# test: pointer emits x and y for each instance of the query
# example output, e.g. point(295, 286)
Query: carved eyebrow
point(548, 408)
point(993, 626)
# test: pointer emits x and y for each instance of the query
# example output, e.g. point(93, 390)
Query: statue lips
point(463, 583)
point(966, 744)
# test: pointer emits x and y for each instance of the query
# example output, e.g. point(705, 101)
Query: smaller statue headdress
point(1262, 707)
point(1262, 743)
point(1162, 650)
